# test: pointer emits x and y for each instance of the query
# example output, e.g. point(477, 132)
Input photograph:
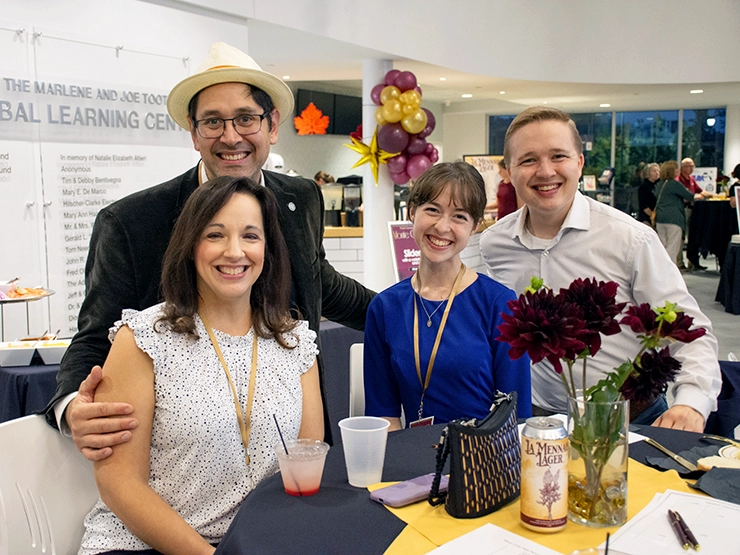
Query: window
point(497, 126)
point(704, 137)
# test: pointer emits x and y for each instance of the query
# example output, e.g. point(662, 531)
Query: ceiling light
point(286, 77)
point(501, 92)
point(696, 91)
point(711, 122)
point(443, 78)
point(605, 105)
point(467, 95)
point(544, 102)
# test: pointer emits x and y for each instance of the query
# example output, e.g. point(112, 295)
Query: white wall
point(465, 134)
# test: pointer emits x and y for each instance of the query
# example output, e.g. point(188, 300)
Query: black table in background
point(728, 291)
point(25, 390)
point(712, 224)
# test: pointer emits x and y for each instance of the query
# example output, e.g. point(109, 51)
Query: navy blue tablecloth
point(25, 390)
point(728, 291)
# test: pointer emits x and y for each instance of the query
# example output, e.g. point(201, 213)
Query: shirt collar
point(578, 217)
point(203, 177)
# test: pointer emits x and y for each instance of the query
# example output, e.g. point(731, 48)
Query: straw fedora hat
point(226, 64)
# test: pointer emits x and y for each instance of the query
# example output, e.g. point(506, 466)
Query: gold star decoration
point(370, 154)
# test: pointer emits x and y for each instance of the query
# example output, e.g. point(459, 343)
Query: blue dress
point(470, 365)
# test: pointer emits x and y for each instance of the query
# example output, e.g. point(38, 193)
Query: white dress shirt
point(599, 241)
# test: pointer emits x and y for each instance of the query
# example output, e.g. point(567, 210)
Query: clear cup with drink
point(302, 465)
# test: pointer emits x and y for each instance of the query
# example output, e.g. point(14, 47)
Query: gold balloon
point(389, 93)
point(416, 122)
point(379, 116)
point(411, 98)
point(409, 109)
point(392, 111)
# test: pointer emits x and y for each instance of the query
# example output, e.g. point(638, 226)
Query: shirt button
point(545, 253)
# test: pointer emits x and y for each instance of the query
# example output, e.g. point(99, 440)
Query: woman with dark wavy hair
point(206, 371)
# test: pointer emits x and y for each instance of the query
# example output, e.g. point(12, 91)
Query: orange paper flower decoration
point(311, 121)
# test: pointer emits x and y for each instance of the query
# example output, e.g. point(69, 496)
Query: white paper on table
point(713, 522)
point(633, 437)
point(490, 539)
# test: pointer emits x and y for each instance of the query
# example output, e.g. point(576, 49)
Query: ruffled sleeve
point(306, 350)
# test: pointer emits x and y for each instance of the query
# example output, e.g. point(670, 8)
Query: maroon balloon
point(390, 77)
point(405, 81)
point(400, 178)
point(417, 88)
point(392, 137)
point(429, 149)
point(375, 93)
point(431, 123)
point(416, 145)
point(397, 164)
point(434, 156)
point(417, 165)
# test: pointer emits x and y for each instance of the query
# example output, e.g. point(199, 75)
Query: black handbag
point(485, 461)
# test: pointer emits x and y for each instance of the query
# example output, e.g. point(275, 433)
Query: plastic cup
point(363, 439)
point(303, 466)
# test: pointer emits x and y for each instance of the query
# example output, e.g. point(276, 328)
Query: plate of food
point(25, 294)
point(728, 457)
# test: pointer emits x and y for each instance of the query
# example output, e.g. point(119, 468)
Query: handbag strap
point(443, 450)
point(660, 194)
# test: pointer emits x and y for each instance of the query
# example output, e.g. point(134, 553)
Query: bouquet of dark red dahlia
point(567, 327)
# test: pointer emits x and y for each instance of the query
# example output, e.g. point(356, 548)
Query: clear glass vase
point(597, 472)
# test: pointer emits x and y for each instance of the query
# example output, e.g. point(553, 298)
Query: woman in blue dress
point(430, 341)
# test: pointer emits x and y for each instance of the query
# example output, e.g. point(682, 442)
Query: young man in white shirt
point(560, 235)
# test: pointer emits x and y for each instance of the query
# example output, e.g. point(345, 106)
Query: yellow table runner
point(429, 527)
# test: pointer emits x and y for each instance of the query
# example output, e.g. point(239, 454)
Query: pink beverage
point(544, 487)
point(303, 465)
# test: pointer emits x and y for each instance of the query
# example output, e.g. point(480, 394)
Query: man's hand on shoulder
point(98, 427)
point(681, 417)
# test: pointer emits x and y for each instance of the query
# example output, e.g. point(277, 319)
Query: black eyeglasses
point(245, 124)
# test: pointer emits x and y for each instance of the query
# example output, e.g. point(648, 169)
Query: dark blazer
point(124, 267)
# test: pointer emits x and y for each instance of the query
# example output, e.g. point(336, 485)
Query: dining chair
point(46, 489)
point(356, 380)
point(357, 383)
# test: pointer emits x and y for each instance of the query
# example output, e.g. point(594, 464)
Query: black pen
point(676, 525)
point(687, 531)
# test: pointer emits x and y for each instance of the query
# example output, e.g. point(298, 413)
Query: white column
point(378, 200)
point(732, 138)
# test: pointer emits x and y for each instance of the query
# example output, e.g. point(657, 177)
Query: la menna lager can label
point(544, 487)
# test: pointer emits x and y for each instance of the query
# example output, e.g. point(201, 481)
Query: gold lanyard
point(425, 384)
point(243, 418)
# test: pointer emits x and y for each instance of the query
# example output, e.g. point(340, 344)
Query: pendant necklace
point(429, 316)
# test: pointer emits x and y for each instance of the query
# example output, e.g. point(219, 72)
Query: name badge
point(428, 421)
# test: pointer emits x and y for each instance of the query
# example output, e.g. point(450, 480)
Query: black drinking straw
point(606, 547)
point(280, 433)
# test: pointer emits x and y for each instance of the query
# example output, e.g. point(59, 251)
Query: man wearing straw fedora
point(232, 109)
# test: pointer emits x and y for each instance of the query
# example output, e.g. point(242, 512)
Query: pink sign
point(404, 249)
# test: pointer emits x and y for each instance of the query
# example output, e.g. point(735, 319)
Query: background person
point(561, 235)
point(646, 193)
point(322, 178)
point(508, 202)
point(232, 109)
point(445, 205)
point(670, 218)
point(223, 338)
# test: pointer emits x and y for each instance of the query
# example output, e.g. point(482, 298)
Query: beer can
point(544, 486)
